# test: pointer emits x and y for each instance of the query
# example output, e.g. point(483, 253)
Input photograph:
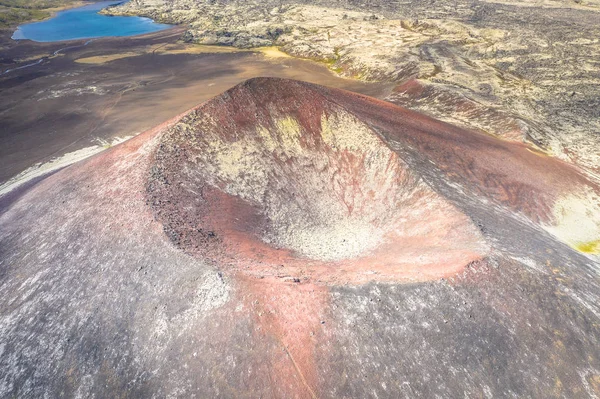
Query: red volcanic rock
point(291, 240)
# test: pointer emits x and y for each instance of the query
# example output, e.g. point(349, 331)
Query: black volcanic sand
point(60, 105)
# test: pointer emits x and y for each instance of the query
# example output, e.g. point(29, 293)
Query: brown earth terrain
point(92, 95)
point(286, 239)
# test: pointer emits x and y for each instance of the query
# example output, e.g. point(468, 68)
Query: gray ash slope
point(99, 302)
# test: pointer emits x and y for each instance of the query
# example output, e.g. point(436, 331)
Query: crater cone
point(273, 178)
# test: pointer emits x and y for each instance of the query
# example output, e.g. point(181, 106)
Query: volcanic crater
point(288, 183)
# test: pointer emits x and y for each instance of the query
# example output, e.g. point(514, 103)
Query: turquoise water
point(85, 23)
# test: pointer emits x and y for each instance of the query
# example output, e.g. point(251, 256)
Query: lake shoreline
point(52, 13)
point(86, 22)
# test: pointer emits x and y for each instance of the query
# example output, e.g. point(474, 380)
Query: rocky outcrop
point(500, 67)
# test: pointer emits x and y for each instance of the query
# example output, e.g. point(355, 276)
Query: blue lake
point(85, 23)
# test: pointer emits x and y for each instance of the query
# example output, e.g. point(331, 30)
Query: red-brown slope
point(510, 173)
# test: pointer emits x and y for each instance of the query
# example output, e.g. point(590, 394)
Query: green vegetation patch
point(16, 12)
point(15, 16)
point(34, 4)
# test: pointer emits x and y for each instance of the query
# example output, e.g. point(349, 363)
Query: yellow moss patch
point(577, 221)
point(289, 134)
point(31, 58)
point(591, 247)
point(168, 49)
point(272, 52)
point(102, 59)
point(539, 151)
point(195, 49)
